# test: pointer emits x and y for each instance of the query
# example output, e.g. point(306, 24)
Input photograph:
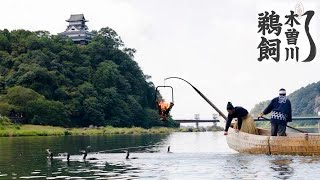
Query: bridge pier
point(197, 117)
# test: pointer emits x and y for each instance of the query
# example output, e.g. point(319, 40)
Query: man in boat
point(164, 109)
point(245, 121)
point(281, 113)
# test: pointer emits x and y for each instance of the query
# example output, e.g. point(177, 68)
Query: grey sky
point(212, 44)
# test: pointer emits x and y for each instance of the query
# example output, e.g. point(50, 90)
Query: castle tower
point(77, 30)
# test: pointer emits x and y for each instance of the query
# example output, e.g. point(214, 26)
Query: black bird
point(68, 157)
point(128, 154)
point(85, 153)
point(50, 154)
point(168, 149)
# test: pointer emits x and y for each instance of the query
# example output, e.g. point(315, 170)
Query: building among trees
point(77, 30)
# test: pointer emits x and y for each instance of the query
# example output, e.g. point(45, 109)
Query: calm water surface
point(203, 155)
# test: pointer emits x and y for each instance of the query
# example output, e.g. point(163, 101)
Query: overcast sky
point(210, 43)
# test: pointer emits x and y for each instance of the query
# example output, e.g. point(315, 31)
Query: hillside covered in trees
point(304, 101)
point(51, 81)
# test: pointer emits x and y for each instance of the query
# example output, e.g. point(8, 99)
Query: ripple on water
point(59, 177)
point(100, 165)
point(194, 155)
point(121, 177)
point(107, 174)
point(32, 177)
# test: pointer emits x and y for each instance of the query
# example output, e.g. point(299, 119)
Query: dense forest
point(50, 80)
point(304, 101)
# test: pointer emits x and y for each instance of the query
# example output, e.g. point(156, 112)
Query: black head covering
point(229, 106)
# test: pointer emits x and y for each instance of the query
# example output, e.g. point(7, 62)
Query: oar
point(288, 126)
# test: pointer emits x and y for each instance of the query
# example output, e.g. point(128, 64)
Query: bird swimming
point(168, 149)
point(128, 154)
point(68, 157)
point(85, 153)
point(50, 154)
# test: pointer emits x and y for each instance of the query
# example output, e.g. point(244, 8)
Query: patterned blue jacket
point(280, 108)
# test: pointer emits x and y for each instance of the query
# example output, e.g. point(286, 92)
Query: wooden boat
point(295, 143)
point(292, 144)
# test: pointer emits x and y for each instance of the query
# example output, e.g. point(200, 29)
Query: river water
point(196, 155)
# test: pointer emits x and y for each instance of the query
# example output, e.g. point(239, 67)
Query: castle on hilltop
point(77, 30)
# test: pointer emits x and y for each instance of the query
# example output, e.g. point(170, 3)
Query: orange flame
point(164, 105)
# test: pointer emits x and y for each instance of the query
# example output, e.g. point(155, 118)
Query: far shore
point(39, 130)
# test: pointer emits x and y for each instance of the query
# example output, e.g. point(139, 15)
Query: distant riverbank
point(38, 130)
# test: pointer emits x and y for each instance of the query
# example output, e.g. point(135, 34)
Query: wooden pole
point(202, 95)
point(289, 126)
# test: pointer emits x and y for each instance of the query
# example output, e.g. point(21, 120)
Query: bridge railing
point(197, 121)
point(256, 119)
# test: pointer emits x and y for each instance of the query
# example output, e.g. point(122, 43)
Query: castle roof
point(76, 17)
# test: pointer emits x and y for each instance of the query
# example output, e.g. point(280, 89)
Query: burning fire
point(164, 105)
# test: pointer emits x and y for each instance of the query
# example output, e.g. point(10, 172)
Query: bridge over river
point(215, 120)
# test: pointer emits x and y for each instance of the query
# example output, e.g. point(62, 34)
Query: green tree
point(46, 112)
point(98, 84)
point(21, 96)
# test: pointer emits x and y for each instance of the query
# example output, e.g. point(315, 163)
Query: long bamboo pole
point(202, 95)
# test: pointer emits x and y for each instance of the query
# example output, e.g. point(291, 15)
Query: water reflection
point(282, 167)
point(25, 157)
point(194, 156)
point(106, 166)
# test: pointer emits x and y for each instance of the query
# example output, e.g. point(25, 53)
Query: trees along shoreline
point(50, 80)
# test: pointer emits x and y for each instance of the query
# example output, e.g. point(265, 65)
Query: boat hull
point(292, 144)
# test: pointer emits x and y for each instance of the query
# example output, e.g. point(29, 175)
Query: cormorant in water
point(85, 153)
point(168, 149)
point(128, 154)
point(50, 154)
point(68, 157)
